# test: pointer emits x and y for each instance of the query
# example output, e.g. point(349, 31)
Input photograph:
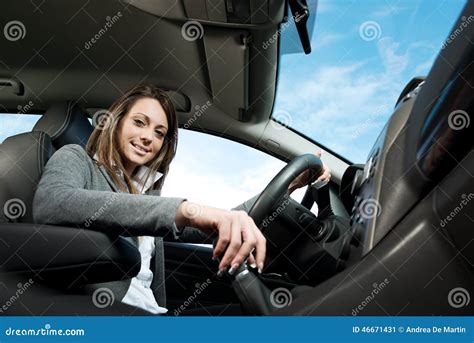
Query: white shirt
point(139, 293)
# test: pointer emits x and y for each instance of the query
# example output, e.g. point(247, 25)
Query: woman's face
point(141, 133)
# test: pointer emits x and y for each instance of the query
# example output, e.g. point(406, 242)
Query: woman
point(108, 188)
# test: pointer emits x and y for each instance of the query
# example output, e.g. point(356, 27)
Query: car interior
point(377, 221)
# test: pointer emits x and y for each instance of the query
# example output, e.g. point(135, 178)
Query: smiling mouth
point(139, 149)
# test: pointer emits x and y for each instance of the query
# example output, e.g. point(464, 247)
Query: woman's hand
point(238, 234)
point(308, 176)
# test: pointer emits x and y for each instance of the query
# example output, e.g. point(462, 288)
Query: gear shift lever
point(252, 293)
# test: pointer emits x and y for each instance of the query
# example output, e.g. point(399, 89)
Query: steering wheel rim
point(278, 186)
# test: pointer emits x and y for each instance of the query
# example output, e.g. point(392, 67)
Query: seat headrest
point(66, 123)
point(22, 161)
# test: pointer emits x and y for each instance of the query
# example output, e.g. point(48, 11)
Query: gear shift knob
point(252, 293)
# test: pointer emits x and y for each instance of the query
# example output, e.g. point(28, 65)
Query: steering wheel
point(278, 187)
point(255, 297)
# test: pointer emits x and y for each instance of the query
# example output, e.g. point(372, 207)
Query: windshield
point(363, 54)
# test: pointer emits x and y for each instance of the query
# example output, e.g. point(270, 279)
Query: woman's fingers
point(256, 241)
point(249, 242)
point(238, 238)
point(223, 239)
point(261, 248)
point(251, 261)
point(233, 245)
point(326, 175)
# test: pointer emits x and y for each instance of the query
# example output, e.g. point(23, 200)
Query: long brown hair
point(104, 140)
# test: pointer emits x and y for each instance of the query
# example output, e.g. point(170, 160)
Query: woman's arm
point(62, 199)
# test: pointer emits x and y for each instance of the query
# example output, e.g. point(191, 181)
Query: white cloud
point(325, 6)
point(201, 175)
point(323, 39)
point(394, 63)
point(390, 10)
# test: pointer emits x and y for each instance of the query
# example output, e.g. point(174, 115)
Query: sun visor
point(217, 12)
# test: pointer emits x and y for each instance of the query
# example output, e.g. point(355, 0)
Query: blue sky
point(344, 91)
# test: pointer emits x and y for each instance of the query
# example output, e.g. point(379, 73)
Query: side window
point(15, 123)
point(219, 172)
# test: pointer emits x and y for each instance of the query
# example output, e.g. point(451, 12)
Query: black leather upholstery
point(66, 123)
point(22, 160)
point(66, 256)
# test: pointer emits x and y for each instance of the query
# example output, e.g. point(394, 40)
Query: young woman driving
point(114, 186)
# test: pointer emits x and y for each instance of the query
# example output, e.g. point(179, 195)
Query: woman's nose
point(147, 136)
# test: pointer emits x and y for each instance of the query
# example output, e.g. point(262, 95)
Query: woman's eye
point(139, 122)
point(160, 134)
